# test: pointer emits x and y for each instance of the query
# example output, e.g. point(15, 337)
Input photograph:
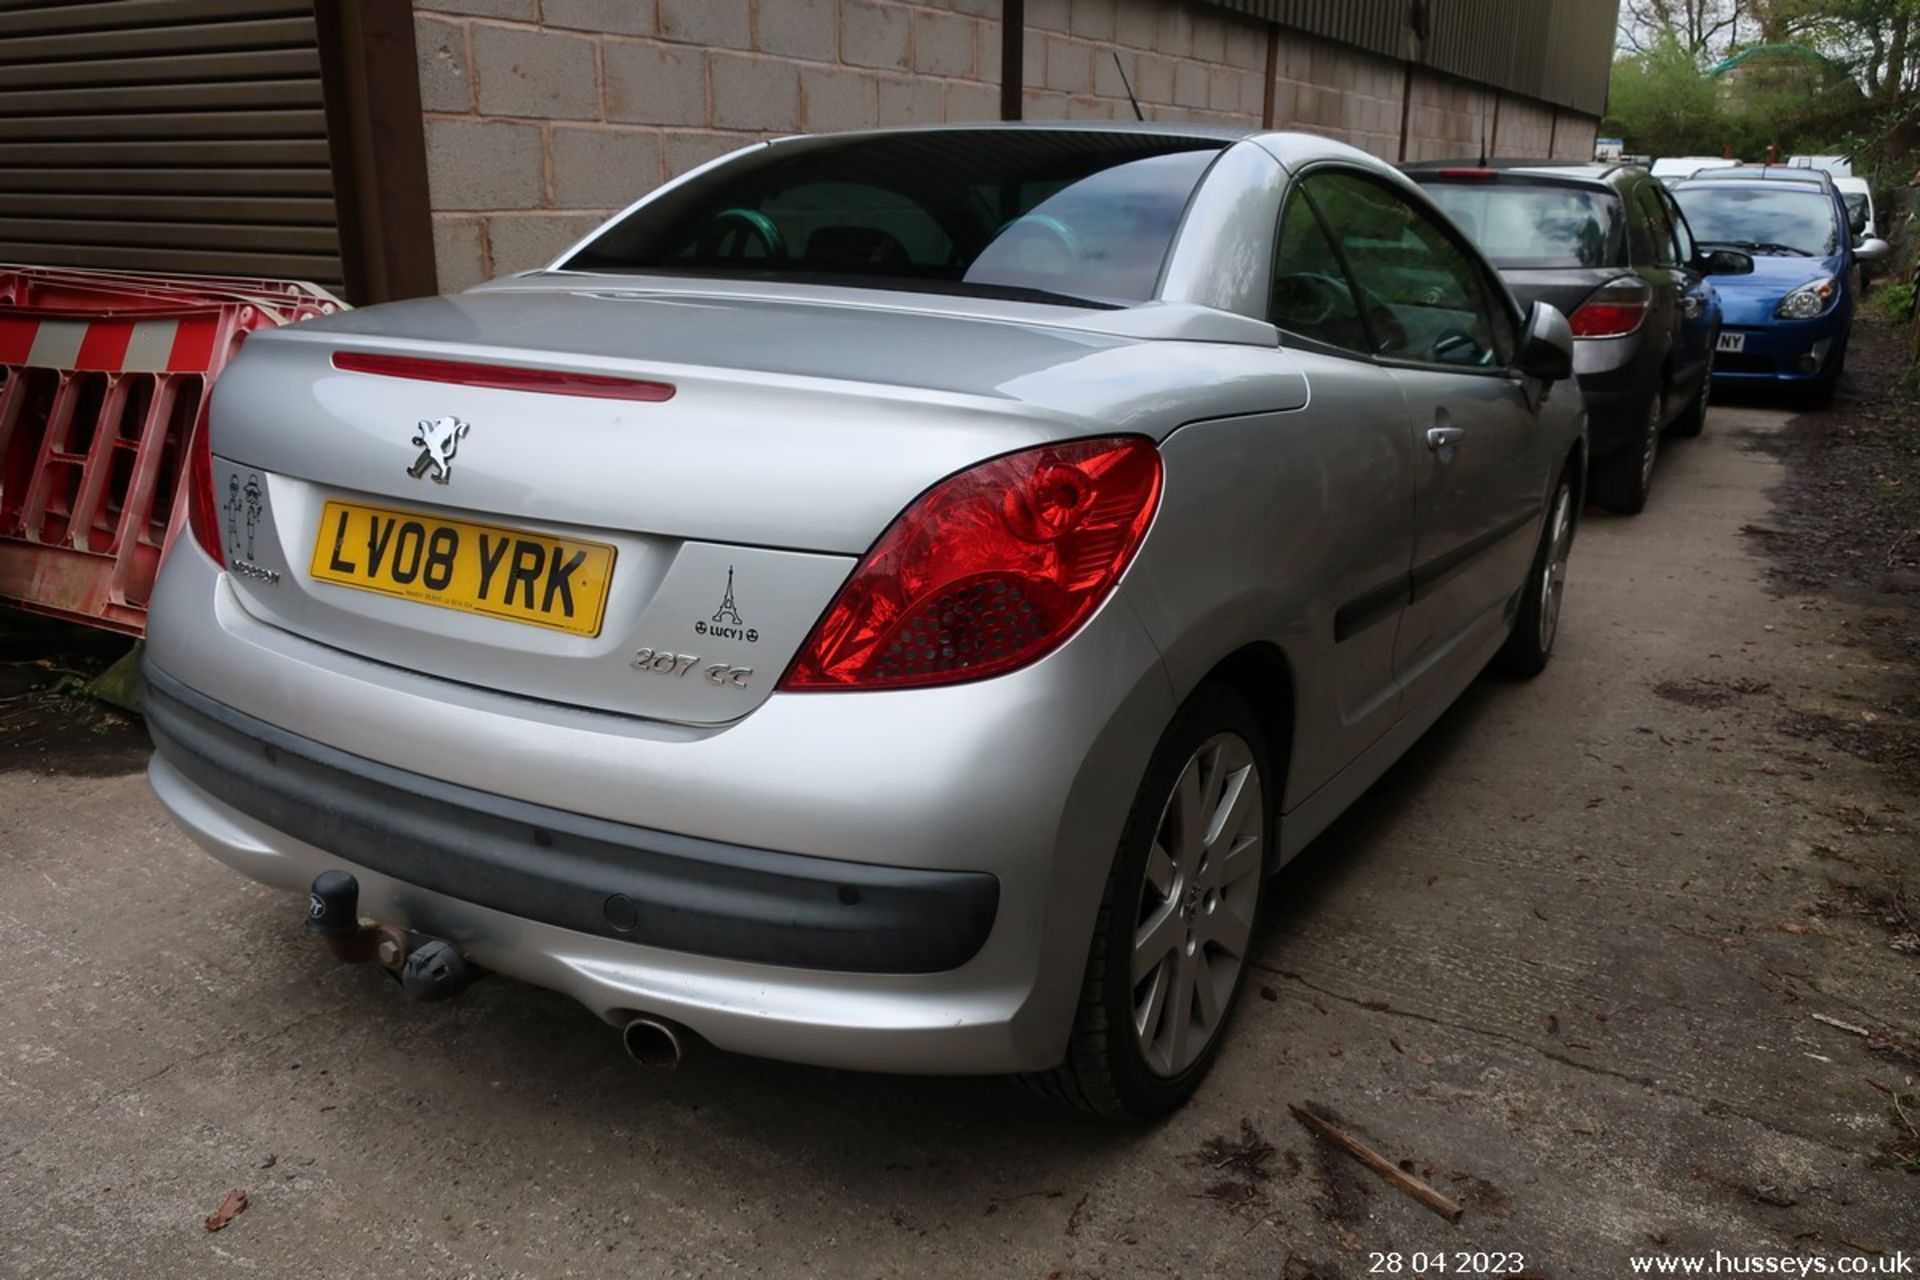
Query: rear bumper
point(571, 871)
point(910, 798)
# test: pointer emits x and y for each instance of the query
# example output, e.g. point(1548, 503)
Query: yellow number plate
point(480, 568)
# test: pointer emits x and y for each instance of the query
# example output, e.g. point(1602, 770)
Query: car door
point(1444, 329)
point(1351, 461)
point(1693, 315)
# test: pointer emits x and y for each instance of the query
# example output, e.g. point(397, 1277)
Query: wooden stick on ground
point(1386, 1168)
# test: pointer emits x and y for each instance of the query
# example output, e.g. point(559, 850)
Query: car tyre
point(1131, 1053)
point(1622, 479)
point(1694, 420)
point(1536, 623)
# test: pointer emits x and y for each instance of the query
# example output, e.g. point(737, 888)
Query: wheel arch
point(1262, 674)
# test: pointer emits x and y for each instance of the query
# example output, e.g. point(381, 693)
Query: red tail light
point(203, 509)
point(1476, 175)
point(989, 570)
point(1614, 310)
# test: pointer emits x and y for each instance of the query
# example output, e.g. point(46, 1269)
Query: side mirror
point(1546, 348)
point(1725, 262)
point(1872, 249)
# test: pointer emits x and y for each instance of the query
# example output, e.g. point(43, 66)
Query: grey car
point(887, 600)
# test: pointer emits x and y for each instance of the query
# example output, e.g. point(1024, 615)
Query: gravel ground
point(1564, 963)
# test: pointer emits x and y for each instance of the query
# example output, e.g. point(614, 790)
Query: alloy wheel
point(1651, 445)
point(1553, 575)
point(1197, 899)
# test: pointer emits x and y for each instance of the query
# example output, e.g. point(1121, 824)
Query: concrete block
point(1069, 65)
point(1040, 104)
point(535, 73)
point(1174, 34)
point(459, 251)
point(446, 81)
point(986, 50)
point(655, 84)
point(834, 101)
point(1253, 95)
point(912, 101)
point(1223, 89)
point(1135, 23)
point(1092, 19)
point(943, 43)
point(617, 17)
point(484, 164)
point(755, 93)
point(970, 101)
point(1209, 37)
point(603, 168)
point(1049, 15)
point(524, 242)
point(1152, 78)
point(1190, 84)
point(724, 24)
point(875, 34)
point(799, 29)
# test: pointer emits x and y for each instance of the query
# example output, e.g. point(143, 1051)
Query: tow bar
point(427, 968)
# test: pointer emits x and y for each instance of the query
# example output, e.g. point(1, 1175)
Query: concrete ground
point(1563, 961)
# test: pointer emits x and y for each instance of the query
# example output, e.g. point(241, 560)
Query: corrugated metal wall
point(1558, 51)
point(165, 135)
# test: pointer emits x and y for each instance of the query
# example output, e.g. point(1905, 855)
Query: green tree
point(1661, 103)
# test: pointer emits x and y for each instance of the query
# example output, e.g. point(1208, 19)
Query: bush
point(1893, 301)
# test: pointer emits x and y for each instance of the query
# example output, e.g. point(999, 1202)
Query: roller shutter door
point(166, 135)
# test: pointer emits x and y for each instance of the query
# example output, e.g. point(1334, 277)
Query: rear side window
point(1068, 216)
point(1523, 225)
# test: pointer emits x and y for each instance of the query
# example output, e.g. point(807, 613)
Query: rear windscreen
point(1064, 216)
point(1521, 225)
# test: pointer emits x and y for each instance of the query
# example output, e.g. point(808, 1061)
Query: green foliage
point(1662, 104)
point(1892, 301)
point(1867, 105)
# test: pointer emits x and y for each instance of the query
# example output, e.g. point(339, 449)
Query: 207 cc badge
point(439, 439)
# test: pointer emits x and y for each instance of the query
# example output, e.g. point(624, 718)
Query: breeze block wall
point(1525, 129)
point(543, 117)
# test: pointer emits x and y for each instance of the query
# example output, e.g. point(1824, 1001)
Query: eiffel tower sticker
point(727, 612)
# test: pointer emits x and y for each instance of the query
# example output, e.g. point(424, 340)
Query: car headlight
point(1809, 300)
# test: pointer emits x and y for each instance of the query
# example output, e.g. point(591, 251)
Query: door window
point(1682, 233)
point(1425, 297)
point(1656, 229)
point(1312, 296)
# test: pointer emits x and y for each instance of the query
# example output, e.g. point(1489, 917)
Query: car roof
point(1594, 172)
point(1766, 173)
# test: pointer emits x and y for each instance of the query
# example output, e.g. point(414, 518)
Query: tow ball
point(427, 968)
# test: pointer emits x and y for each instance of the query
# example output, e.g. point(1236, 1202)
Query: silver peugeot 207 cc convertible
point(887, 600)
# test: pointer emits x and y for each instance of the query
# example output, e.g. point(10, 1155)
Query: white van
point(1672, 169)
point(1858, 193)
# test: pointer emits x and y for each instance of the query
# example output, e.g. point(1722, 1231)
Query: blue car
point(1787, 322)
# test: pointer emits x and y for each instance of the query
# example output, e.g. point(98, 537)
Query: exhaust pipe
point(653, 1044)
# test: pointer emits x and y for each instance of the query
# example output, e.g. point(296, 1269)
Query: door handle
point(1442, 439)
